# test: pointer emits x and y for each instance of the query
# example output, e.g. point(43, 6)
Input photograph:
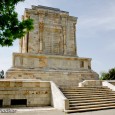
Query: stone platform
point(63, 70)
point(59, 77)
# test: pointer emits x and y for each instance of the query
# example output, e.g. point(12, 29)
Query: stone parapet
point(59, 101)
point(110, 84)
point(91, 83)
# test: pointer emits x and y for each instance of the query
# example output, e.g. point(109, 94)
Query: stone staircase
point(89, 98)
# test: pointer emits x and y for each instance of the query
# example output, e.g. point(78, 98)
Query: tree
point(110, 75)
point(10, 27)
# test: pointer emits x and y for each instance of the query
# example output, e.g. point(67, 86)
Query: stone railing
point(109, 84)
point(90, 83)
point(59, 101)
point(112, 82)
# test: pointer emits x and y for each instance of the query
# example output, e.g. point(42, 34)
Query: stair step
point(91, 100)
point(73, 91)
point(91, 103)
point(89, 109)
point(89, 96)
point(101, 89)
point(85, 91)
point(63, 88)
point(71, 87)
point(88, 93)
point(92, 106)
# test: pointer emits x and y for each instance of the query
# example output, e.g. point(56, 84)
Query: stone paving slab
point(101, 112)
point(49, 111)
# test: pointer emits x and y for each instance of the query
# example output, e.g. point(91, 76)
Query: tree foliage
point(110, 75)
point(10, 27)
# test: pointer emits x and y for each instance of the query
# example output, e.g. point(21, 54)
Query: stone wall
point(54, 32)
point(59, 77)
point(37, 93)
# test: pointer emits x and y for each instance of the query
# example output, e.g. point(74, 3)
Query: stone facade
point(54, 32)
point(49, 51)
point(30, 92)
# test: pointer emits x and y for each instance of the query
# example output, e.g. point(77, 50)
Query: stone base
point(60, 77)
point(63, 70)
point(47, 62)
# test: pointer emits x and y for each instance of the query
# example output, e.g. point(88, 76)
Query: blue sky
point(95, 30)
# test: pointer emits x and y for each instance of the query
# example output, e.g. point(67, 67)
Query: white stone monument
point(49, 51)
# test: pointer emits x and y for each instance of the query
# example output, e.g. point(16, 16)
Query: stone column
point(64, 37)
point(64, 32)
point(75, 46)
point(41, 30)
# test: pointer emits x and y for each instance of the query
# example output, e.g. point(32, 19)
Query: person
point(2, 74)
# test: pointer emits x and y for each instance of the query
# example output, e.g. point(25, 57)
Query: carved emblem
point(26, 93)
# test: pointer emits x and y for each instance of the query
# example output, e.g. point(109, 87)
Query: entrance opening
point(1, 102)
point(19, 102)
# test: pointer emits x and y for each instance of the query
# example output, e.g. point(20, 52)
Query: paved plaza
point(49, 111)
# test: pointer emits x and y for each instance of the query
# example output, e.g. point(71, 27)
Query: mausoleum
point(49, 51)
point(48, 71)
